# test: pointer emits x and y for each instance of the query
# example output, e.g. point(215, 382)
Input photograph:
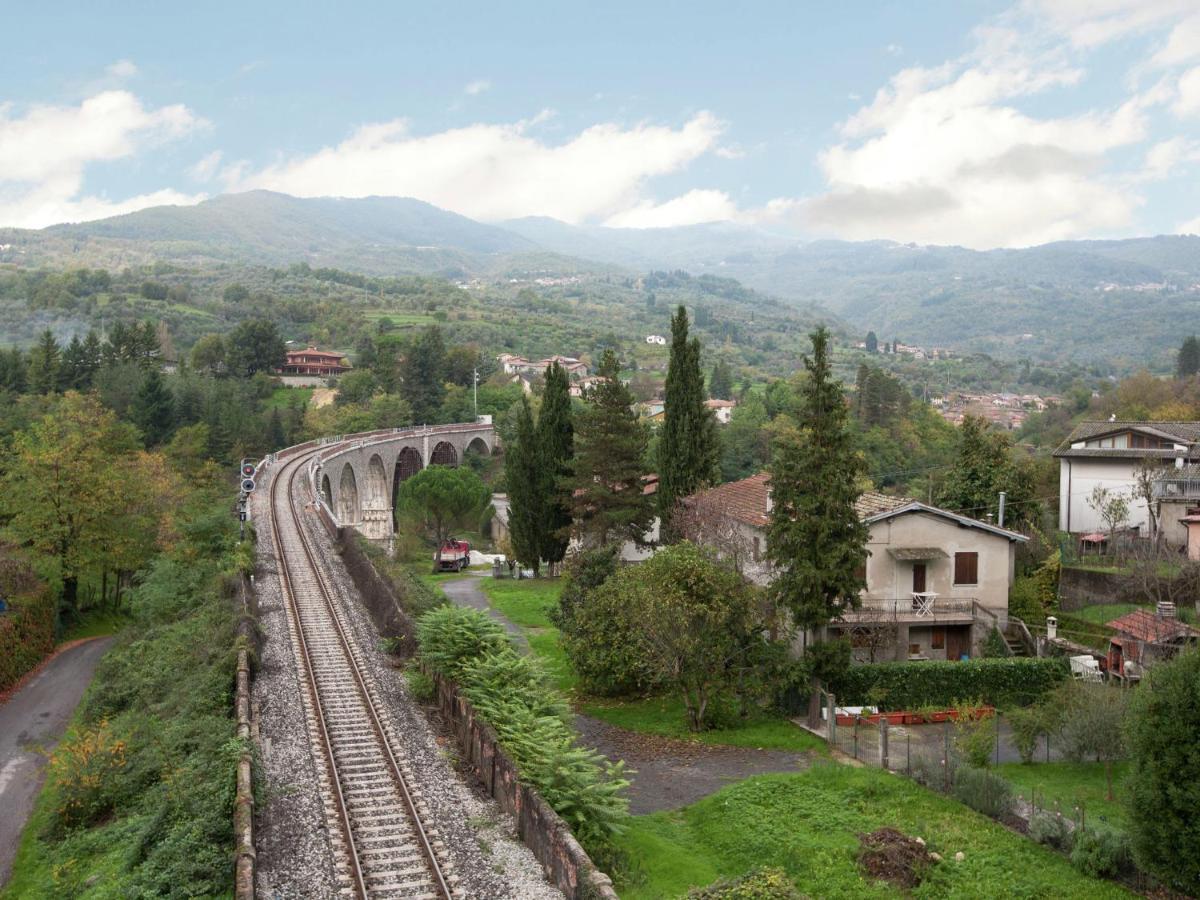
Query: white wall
point(1079, 477)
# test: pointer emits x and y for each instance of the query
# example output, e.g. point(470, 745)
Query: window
point(938, 641)
point(757, 548)
point(966, 568)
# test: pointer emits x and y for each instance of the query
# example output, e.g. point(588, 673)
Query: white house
point(657, 339)
point(722, 410)
point(937, 581)
point(1108, 455)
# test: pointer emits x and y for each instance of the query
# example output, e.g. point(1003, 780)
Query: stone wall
point(243, 807)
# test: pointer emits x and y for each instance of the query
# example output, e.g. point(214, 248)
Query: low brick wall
point(545, 833)
point(243, 807)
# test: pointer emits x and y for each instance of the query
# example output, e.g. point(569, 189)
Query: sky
point(982, 124)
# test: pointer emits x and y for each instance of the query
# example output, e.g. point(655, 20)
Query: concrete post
point(883, 742)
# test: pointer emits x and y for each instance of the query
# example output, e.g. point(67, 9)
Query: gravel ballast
point(294, 854)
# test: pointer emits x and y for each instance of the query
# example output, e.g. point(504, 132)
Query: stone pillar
point(901, 641)
point(376, 524)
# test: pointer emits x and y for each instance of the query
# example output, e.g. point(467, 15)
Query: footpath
point(32, 720)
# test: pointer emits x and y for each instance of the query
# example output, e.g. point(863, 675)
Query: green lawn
point(281, 397)
point(808, 824)
point(1071, 784)
point(527, 603)
point(1102, 613)
point(95, 623)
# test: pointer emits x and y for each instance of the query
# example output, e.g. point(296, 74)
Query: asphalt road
point(31, 723)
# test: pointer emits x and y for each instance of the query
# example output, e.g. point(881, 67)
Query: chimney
point(1165, 609)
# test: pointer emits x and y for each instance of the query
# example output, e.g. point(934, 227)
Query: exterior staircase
point(1017, 637)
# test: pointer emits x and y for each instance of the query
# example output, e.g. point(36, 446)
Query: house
point(722, 410)
point(519, 365)
point(583, 385)
point(1144, 637)
point(656, 339)
point(311, 361)
point(1108, 455)
point(937, 581)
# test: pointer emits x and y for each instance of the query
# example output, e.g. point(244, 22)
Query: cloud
point(121, 69)
point(206, 168)
point(692, 208)
point(1192, 227)
point(1182, 45)
point(44, 153)
point(1187, 102)
point(1091, 23)
point(477, 87)
point(494, 172)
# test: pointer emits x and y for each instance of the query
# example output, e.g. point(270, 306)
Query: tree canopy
point(443, 497)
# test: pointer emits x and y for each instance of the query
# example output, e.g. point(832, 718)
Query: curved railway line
point(381, 848)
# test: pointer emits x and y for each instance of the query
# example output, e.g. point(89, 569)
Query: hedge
point(26, 635)
point(907, 685)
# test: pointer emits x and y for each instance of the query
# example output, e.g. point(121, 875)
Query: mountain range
point(1125, 302)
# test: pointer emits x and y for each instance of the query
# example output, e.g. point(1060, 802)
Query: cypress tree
point(1189, 357)
point(526, 497)
point(153, 409)
point(688, 449)
point(720, 383)
point(605, 486)
point(815, 538)
point(556, 444)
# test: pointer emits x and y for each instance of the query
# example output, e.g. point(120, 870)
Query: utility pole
point(475, 386)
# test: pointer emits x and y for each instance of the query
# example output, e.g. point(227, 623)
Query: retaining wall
point(243, 808)
point(1083, 587)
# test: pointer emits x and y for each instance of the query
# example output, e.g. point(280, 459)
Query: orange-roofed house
point(311, 361)
point(1144, 637)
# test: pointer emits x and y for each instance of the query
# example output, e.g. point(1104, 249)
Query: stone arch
point(326, 491)
point(347, 499)
point(478, 445)
point(377, 492)
point(408, 464)
point(444, 454)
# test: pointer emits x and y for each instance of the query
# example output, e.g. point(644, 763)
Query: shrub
point(531, 720)
point(1101, 853)
point(26, 635)
point(994, 645)
point(1014, 681)
point(1163, 792)
point(1092, 719)
point(86, 769)
point(420, 685)
point(1050, 829)
point(974, 735)
point(984, 791)
point(452, 635)
point(758, 884)
point(1028, 724)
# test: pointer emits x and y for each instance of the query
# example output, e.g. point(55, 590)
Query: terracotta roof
point(872, 503)
point(719, 404)
point(747, 500)
point(1144, 625)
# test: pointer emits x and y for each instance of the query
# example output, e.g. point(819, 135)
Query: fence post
point(883, 743)
point(996, 716)
point(908, 754)
point(832, 714)
point(856, 737)
point(946, 755)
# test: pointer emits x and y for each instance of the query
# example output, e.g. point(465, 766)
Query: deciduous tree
point(423, 374)
point(985, 466)
point(254, 346)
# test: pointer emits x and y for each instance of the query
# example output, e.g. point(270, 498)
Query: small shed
point(1144, 637)
point(1192, 523)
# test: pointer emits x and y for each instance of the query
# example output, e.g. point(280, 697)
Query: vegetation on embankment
point(808, 825)
point(139, 797)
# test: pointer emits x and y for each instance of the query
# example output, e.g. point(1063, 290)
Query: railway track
point(381, 847)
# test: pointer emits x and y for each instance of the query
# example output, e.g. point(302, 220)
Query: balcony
point(929, 610)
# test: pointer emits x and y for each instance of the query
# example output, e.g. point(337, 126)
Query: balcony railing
point(911, 609)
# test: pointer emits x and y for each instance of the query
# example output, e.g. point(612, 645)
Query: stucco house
point(937, 581)
point(1108, 455)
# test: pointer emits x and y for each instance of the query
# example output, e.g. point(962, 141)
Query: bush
point(1162, 791)
point(87, 769)
point(758, 884)
point(26, 635)
point(1015, 681)
point(1028, 724)
point(974, 735)
point(420, 685)
point(1051, 829)
point(994, 646)
point(1101, 853)
point(531, 720)
point(983, 791)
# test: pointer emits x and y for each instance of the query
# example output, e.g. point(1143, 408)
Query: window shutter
point(966, 568)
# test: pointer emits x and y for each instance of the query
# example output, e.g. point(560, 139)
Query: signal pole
point(475, 387)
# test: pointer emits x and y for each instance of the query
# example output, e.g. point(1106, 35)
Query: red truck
point(454, 556)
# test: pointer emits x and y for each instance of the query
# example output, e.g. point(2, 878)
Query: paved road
point(30, 725)
point(466, 592)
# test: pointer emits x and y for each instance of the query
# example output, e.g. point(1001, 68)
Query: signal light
point(247, 469)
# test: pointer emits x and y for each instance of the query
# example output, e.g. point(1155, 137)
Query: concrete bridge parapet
point(356, 476)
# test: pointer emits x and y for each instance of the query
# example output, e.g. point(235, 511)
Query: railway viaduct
point(357, 477)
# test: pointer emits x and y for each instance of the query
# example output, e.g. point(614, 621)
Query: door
point(958, 642)
point(918, 578)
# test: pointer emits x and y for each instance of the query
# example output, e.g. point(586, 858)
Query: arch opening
point(347, 500)
point(377, 492)
point(326, 491)
point(443, 454)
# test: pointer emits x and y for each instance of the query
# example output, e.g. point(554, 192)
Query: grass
point(281, 397)
point(1070, 785)
point(808, 824)
point(527, 603)
point(95, 623)
point(1101, 613)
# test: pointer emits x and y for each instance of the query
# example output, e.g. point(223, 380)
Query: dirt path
point(666, 773)
point(31, 723)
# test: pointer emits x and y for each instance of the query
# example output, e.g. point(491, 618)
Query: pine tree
point(720, 383)
point(556, 445)
point(45, 363)
point(688, 449)
point(606, 488)
point(523, 476)
point(815, 538)
point(14, 371)
point(1189, 357)
point(153, 410)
